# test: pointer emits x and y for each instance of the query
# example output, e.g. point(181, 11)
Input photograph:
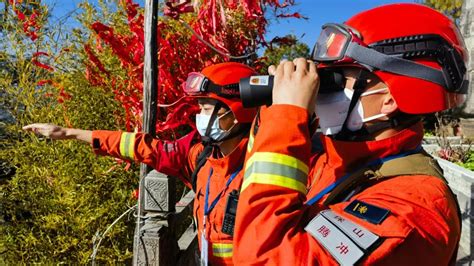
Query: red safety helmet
point(221, 82)
point(417, 51)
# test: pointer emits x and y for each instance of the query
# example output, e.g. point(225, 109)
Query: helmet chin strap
point(359, 87)
point(367, 131)
point(206, 139)
point(231, 133)
point(211, 145)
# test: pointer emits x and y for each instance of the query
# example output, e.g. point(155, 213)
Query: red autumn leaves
point(36, 60)
point(30, 23)
point(128, 48)
point(179, 53)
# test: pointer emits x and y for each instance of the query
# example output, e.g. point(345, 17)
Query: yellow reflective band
point(259, 167)
point(127, 143)
point(222, 245)
point(276, 169)
point(277, 158)
point(222, 250)
point(270, 179)
point(223, 255)
point(250, 143)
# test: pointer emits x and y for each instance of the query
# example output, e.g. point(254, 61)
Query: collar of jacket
point(228, 164)
point(350, 154)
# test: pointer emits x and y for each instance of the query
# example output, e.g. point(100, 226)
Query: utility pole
point(150, 74)
point(154, 243)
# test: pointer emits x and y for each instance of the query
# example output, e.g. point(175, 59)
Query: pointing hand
point(47, 130)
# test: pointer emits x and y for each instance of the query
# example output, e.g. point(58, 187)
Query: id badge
point(204, 246)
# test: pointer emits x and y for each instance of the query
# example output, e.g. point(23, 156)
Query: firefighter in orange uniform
point(372, 197)
point(212, 168)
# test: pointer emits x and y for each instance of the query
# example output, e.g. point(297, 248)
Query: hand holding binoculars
point(257, 90)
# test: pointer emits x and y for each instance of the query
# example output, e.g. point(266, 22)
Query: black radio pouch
point(230, 213)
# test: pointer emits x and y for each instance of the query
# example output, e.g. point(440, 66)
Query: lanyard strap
point(373, 163)
point(207, 208)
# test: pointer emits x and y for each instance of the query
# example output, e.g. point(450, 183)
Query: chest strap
point(414, 164)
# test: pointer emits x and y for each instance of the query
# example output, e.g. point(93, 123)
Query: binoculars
point(257, 90)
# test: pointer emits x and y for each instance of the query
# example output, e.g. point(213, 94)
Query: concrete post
point(467, 30)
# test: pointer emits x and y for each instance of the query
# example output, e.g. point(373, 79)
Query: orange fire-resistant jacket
point(403, 220)
point(178, 158)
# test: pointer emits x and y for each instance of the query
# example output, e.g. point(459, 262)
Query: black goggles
point(339, 43)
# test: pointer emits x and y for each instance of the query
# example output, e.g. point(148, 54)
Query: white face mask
point(332, 108)
point(202, 121)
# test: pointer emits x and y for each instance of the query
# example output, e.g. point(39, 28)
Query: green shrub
point(62, 194)
point(469, 164)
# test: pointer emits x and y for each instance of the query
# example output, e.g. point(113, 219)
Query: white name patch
point(345, 240)
point(363, 237)
point(339, 245)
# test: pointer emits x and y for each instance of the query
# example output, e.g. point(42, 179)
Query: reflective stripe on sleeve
point(222, 250)
point(127, 143)
point(250, 143)
point(276, 169)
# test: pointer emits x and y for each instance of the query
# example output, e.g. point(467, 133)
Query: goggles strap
point(395, 65)
point(226, 91)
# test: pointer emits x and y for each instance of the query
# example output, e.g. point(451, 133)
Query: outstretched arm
point(59, 133)
point(168, 157)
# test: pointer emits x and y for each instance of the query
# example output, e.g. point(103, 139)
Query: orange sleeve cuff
point(105, 142)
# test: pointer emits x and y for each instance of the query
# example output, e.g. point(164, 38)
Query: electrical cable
point(212, 46)
point(98, 236)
